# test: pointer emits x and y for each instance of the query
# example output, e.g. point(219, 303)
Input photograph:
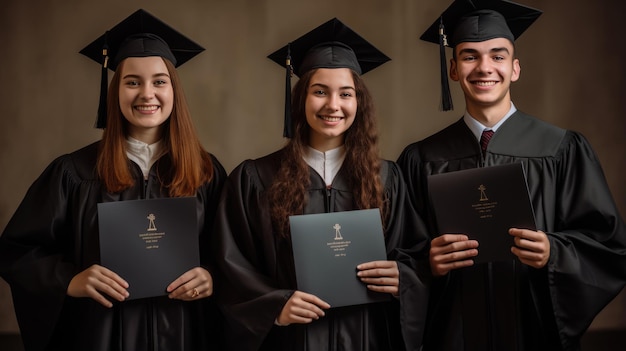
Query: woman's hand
point(302, 308)
point(380, 276)
point(196, 283)
point(95, 281)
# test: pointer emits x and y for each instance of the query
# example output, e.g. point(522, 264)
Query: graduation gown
point(53, 235)
point(258, 277)
point(508, 305)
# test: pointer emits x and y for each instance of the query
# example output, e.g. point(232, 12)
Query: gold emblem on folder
point(151, 227)
point(338, 245)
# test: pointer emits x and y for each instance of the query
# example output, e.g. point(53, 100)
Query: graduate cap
point(139, 35)
point(330, 45)
point(476, 21)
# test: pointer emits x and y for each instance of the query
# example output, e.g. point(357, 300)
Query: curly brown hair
point(287, 194)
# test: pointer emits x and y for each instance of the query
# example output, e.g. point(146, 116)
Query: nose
point(147, 91)
point(333, 102)
point(484, 65)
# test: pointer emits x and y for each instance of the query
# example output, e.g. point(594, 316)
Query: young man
point(566, 271)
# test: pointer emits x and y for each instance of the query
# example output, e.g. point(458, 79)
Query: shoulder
point(575, 143)
point(388, 167)
point(260, 171)
point(390, 174)
point(218, 168)
point(80, 164)
point(457, 128)
point(449, 143)
point(528, 136)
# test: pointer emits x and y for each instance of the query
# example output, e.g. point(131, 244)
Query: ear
point(517, 70)
point(453, 74)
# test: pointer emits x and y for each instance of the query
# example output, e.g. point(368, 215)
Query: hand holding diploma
point(531, 247)
point(196, 283)
point(380, 276)
point(95, 281)
point(302, 308)
point(451, 251)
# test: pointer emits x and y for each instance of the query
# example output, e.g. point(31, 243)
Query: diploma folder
point(150, 242)
point(483, 203)
point(327, 247)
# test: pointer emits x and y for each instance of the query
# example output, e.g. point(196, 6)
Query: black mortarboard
point(330, 45)
point(476, 21)
point(139, 35)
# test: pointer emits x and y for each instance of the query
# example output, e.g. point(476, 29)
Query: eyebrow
point(493, 50)
point(158, 75)
point(313, 85)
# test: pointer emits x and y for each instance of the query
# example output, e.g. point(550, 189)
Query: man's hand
point(451, 251)
point(531, 247)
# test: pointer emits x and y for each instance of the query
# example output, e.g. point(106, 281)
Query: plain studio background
point(572, 76)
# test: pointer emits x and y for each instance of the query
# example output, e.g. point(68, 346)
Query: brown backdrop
point(572, 76)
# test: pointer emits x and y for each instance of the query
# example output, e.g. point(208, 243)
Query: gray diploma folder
point(327, 247)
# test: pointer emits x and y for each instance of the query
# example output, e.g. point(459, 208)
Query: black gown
point(53, 235)
point(258, 274)
point(508, 305)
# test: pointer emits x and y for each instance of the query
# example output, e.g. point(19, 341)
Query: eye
point(132, 83)
point(346, 94)
point(469, 58)
point(318, 92)
point(160, 82)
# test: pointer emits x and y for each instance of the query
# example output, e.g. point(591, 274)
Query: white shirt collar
point(144, 155)
point(477, 127)
point(326, 164)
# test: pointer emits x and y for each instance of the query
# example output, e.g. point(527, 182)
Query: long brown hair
point(191, 164)
point(287, 194)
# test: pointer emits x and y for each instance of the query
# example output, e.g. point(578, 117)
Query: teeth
point(146, 108)
point(331, 119)
point(485, 84)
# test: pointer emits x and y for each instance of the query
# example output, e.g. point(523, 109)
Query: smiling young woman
point(49, 252)
point(330, 163)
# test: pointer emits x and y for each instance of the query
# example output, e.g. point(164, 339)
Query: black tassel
point(101, 122)
point(446, 98)
point(288, 128)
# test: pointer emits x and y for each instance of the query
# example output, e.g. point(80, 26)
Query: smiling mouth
point(147, 108)
point(330, 118)
point(485, 84)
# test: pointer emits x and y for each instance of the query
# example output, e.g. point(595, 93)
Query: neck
point(325, 144)
point(489, 115)
point(148, 136)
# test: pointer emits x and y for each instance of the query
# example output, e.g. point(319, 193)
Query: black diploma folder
point(327, 247)
point(483, 203)
point(149, 243)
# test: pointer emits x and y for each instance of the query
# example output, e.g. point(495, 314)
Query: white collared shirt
point(477, 128)
point(144, 155)
point(326, 164)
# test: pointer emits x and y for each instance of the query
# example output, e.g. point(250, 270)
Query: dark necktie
point(484, 139)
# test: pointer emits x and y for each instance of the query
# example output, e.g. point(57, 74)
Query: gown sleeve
point(243, 244)
point(211, 193)
point(587, 266)
point(409, 163)
point(408, 243)
point(33, 254)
